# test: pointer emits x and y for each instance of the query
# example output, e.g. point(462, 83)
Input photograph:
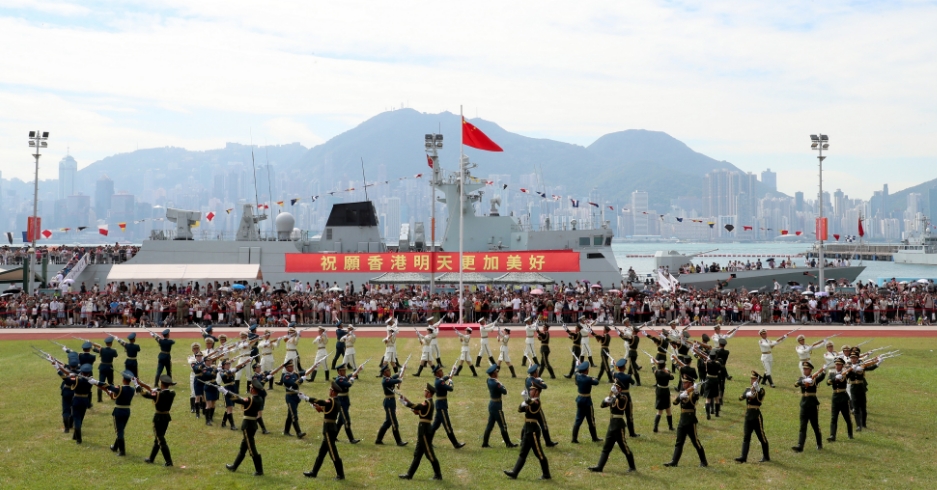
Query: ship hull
point(764, 278)
point(915, 258)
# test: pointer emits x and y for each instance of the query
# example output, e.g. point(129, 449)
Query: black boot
point(231, 421)
point(122, 448)
point(744, 457)
point(675, 459)
point(397, 439)
point(327, 377)
point(544, 470)
point(258, 465)
point(78, 435)
point(437, 471)
point(473, 370)
point(224, 420)
point(418, 371)
point(339, 469)
point(263, 427)
point(536, 361)
point(670, 422)
point(192, 404)
point(603, 458)
point(595, 436)
point(65, 424)
point(478, 361)
point(637, 378)
point(198, 409)
point(315, 467)
point(524, 361)
point(764, 453)
point(718, 408)
point(237, 462)
point(550, 369)
point(459, 370)
point(591, 362)
point(166, 456)
point(314, 373)
point(513, 374)
point(834, 424)
point(656, 422)
point(115, 445)
point(631, 466)
point(575, 439)
point(708, 410)
point(491, 360)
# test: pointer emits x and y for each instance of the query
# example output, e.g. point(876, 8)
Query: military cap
point(385, 367)
point(166, 380)
point(86, 345)
point(431, 389)
point(132, 336)
point(492, 369)
point(801, 337)
point(621, 363)
point(468, 329)
point(437, 368)
point(194, 345)
point(389, 320)
point(244, 333)
point(762, 331)
point(86, 369)
point(291, 330)
point(127, 375)
point(755, 374)
point(839, 360)
point(257, 384)
point(199, 354)
point(341, 366)
point(829, 343)
point(528, 320)
point(539, 384)
point(208, 329)
point(268, 332)
point(854, 353)
point(209, 340)
point(73, 364)
point(288, 363)
point(533, 369)
point(584, 366)
point(108, 340)
point(723, 342)
point(705, 338)
point(806, 364)
point(165, 332)
point(252, 327)
point(718, 326)
point(338, 323)
point(322, 328)
point(674, 323)
point(225, 361)
point(845, 347)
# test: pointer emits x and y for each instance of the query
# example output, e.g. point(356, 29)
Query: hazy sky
point(745, 82)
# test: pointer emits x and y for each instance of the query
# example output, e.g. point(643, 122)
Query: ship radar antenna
point(254, 167)
point(269, 185)
point(364, 180)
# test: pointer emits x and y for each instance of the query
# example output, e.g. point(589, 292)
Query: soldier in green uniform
point(544, 337)
point(533, 374)
point(754, 396)
point(252, 406)
point(584, 409)
point(291, 380)
point(617, 403)
point(533, 420)
point(808, 405)
point(122, 396)
point(330, 410)
point(686, 427)
point(576, 336)
point(389, 384)
point(443, 386)
point(663, 377)
point(424, 443)
point(605, 339)
point(106, 366)
point(838, 381)
point(162, 401)
point(164, 359)
point(859, 386)
point(495, 413)
point(131, 349)
point(711, 388)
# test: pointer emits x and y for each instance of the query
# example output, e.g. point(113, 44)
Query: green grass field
point(897, 452)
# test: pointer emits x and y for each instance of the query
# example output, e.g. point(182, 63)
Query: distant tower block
point(184, 221)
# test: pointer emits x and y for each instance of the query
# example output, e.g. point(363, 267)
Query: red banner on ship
point(438, 262)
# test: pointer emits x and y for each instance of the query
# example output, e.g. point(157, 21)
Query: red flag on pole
point(474, 137)
point(861, 230)
point(746, 228)
point(102, 229)
point(429, 161)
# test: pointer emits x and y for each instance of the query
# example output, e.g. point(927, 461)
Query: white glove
point(859, 369)
point(683, 396)
point(93, 381)
point(523, 404)
point(615, 389)
point(808, 381)
point(269, 377)
point(223, 390)
point(524, 394)
point(304, 397)
point(64, 349)
point(135, 383)
point(839, 377)
point(609, 400)
point(402, 400)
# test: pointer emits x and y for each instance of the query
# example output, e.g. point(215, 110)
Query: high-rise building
point(639, 206)
point(103, 191)
point(392, 219)
point(79, 211)
point(932, 204)
point(720, 192)
point(770, 179)
point(68, 170)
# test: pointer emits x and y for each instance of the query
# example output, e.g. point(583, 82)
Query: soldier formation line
point(218, 368)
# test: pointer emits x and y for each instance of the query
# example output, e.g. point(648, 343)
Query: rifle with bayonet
point(316, 364)
point(358, 369)
point(860, 344)
point(869, 352)
point(788, 334)
point(152, 333)
point(403, 367)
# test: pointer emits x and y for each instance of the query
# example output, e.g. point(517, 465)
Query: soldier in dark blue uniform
point(686, 427)
point(530, 407)
point(67, 374)
point(198, 368)
point(207, 334)
point(291, 381)
point(711, 387)
point(164, 359)
point(576, 337)
point(443, 386)
point(162, 402)
point(495, 413)
point(617, 403)
point(424, 443)
point(226, 375)
point(106, 366)
point(263, 378)
point(86, 357)
point(122, 396)
point(252, 405)
point(584, 409)
point(388, 385)
point(624, 381)
point(340, 334)
point(330, 410)
point(81, 399)
point(808, 406)
point(344, 382)
point(605, 339)
point(754, 396)
point(533, 374)
point(131, 349)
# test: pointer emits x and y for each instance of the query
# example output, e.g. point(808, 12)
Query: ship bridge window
point(598, 240)
point(328, 233)
point(583, 241)
point(595, 256)
point(608, 241)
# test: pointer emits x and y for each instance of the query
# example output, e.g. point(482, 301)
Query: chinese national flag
point(474, 137)
point(861, 230)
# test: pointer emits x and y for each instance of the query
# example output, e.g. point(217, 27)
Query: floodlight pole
point(821, 141)
point(37, 141)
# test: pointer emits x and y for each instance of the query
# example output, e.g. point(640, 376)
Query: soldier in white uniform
point(292, 347)
point(829, 357)
point(766, 358)
point(804, 350)
point(191, 360)
point(244, 353)
point(530, 330)
point(321, 342)
point(266, 353)
point(434, 344)
point(717, 334)
point(484, 328)
point(426, 353)
point(504, 336)
point(350, 339)
point(390, 347)
point(465, 357)
point(584, 343)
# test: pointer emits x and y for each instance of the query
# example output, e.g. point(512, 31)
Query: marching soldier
point(162, 401)
point(207, 334)
point(164, 359)
point(390, 350)
point(617, 403)
point(804, 351)
point(349, 357)
point(631, 338)
point(252, 405)
point(533, 374)
point(544, 337)
point(207, 377)
point(434, 343)
point(291, 380)
point(533, 420)
point(711, 387)
point(330, 412)
point(81, 386)
point(662, 342)
point(857, 381)
point(808, 406)
point(322, 355)
point(426, 349)
point(584, 410)
point(576, 337)
point(344, 382)
point(530, 329)
point(504, 355)
point(389, 385)
point(225, 379)
point(424, 444)
point(264, 377)
point(484, 350)
point(624, 382)
point(244, 349)
point(495, 414)
point(292, 347)
point(196, 389)
point(686, 428)
point(85, 357)
point(605, 340)
point(443, 386)
point(838, 380)
point(67, 375)
point(754, 396)
point(767, 359)
point(106, 366)
point(464, 356)
point(340, 334)
point(662, 404)
point(267, 346)
point(585, 345)
point(122, 396)
point(131, 349)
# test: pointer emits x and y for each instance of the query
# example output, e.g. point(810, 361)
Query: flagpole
point(461, 205)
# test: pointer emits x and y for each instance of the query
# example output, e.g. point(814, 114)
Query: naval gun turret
point(184, 221)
